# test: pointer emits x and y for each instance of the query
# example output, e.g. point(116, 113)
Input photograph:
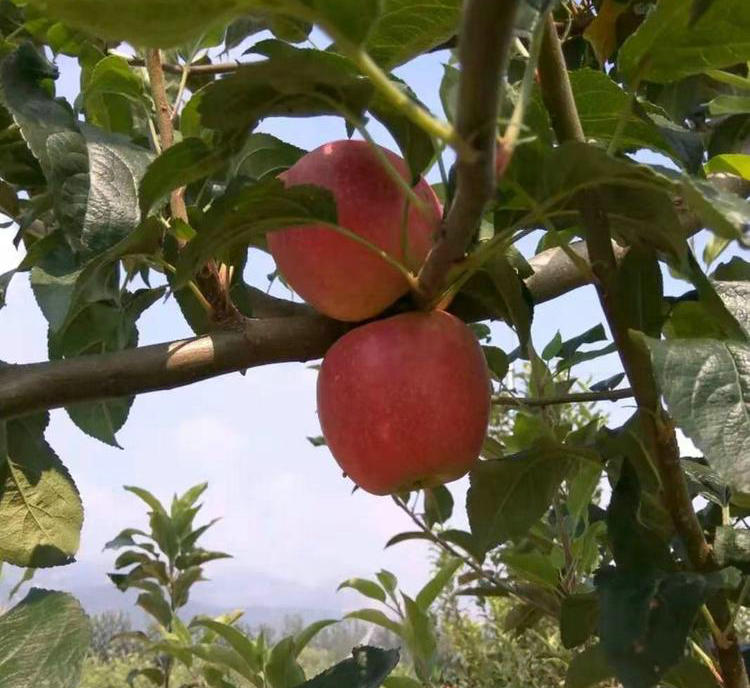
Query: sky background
point(290, 520)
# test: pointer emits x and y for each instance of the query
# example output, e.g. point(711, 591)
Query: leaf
point(419, 635)
point(405, 30)
point(141, 22)
point(367, 668)
point(156, 606)
point(40, 507)
point(281, 669)
point(644, 621)
point(497, 361)
point(248, 214)
point(690, 673)
point(238, 641)
point(43, 641)
point(146, 496)
point(570, 346)
point(706, 385)
point(602, 31)
point(387, 580)
point(291, 82)
point(156, 676)
point(729, 163)
point(124, 538)
point(28, 574)
point(722, 211)
point(508, 495)
point(263, 156)
point(438, 505)
point(606, 109)
point(588, 668)
point(639, 291)
point(430, 592)
point(187, 161)
point(110, 92)
point(5, 279)
point(365, 587)
point(729, 105)
point(303, 638)
point(93, 175)
point(376, 617)
point(352, 19)
point(718, 40)
point(401, 682)
point(578, 618)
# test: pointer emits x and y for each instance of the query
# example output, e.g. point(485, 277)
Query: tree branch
point(484, 43)
point(288, 332)
point(658, 428)
point(205, 69)
point(212, 284)
point(576, 398)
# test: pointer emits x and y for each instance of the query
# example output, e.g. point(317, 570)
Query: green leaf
point(303, 638)
point(430, 592)
point(160, 25)
point(387, 580)
point(186, 162)
point(125, 538)
point(92, 174)
point(225, 658)
point(729, 163)
point(588, 668)
point(602, 106)
point(497, 361)
point(508, 495)
point(146, 496)
point(419, 636)
point(401, 682)
point(729, 105)
point(645, 619)
point(110, 92)
point(706, 384)
point(578, 618)
point(263, 156)
point(376, 617)
point(281, 669)
point(690, 673)
point(438, 505)
point(405, 30)
point(291, 82)
point(156, 606)
point(248, 214)
point(5, 279)
point(722, 211)
point(40, 507)
point(718, 40)
point(367, 668)
point(238, 641)
point(639, 291)
point(365, 587)
point(43, 641)
point(156, 676)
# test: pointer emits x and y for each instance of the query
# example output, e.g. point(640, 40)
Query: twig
point(209, 280)
point(484, 47)
point(216, 68)
point(658, 429)
point(575, 398)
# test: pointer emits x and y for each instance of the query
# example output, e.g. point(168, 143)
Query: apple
point(404, 402)
point(336, 275)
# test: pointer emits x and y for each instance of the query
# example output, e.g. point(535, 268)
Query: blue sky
point(289, 518)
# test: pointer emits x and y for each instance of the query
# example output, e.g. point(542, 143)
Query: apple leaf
point(706, 384)
point(718, 39)
point(367, 668)
point(40, 507)
point(43, 641)
point(588, 668)
point(246, 215)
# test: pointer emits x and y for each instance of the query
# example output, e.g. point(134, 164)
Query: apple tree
point(616, 130)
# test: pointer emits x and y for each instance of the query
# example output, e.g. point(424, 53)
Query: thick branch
point(658, 429)
point(484, 43)
point(300, 336)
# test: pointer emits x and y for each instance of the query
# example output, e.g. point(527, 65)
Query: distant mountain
point(266, 600)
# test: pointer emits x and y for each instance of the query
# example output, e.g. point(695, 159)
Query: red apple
point(333, 273)
point(404, 402)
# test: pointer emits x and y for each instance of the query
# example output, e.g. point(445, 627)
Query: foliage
point(102, 204)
